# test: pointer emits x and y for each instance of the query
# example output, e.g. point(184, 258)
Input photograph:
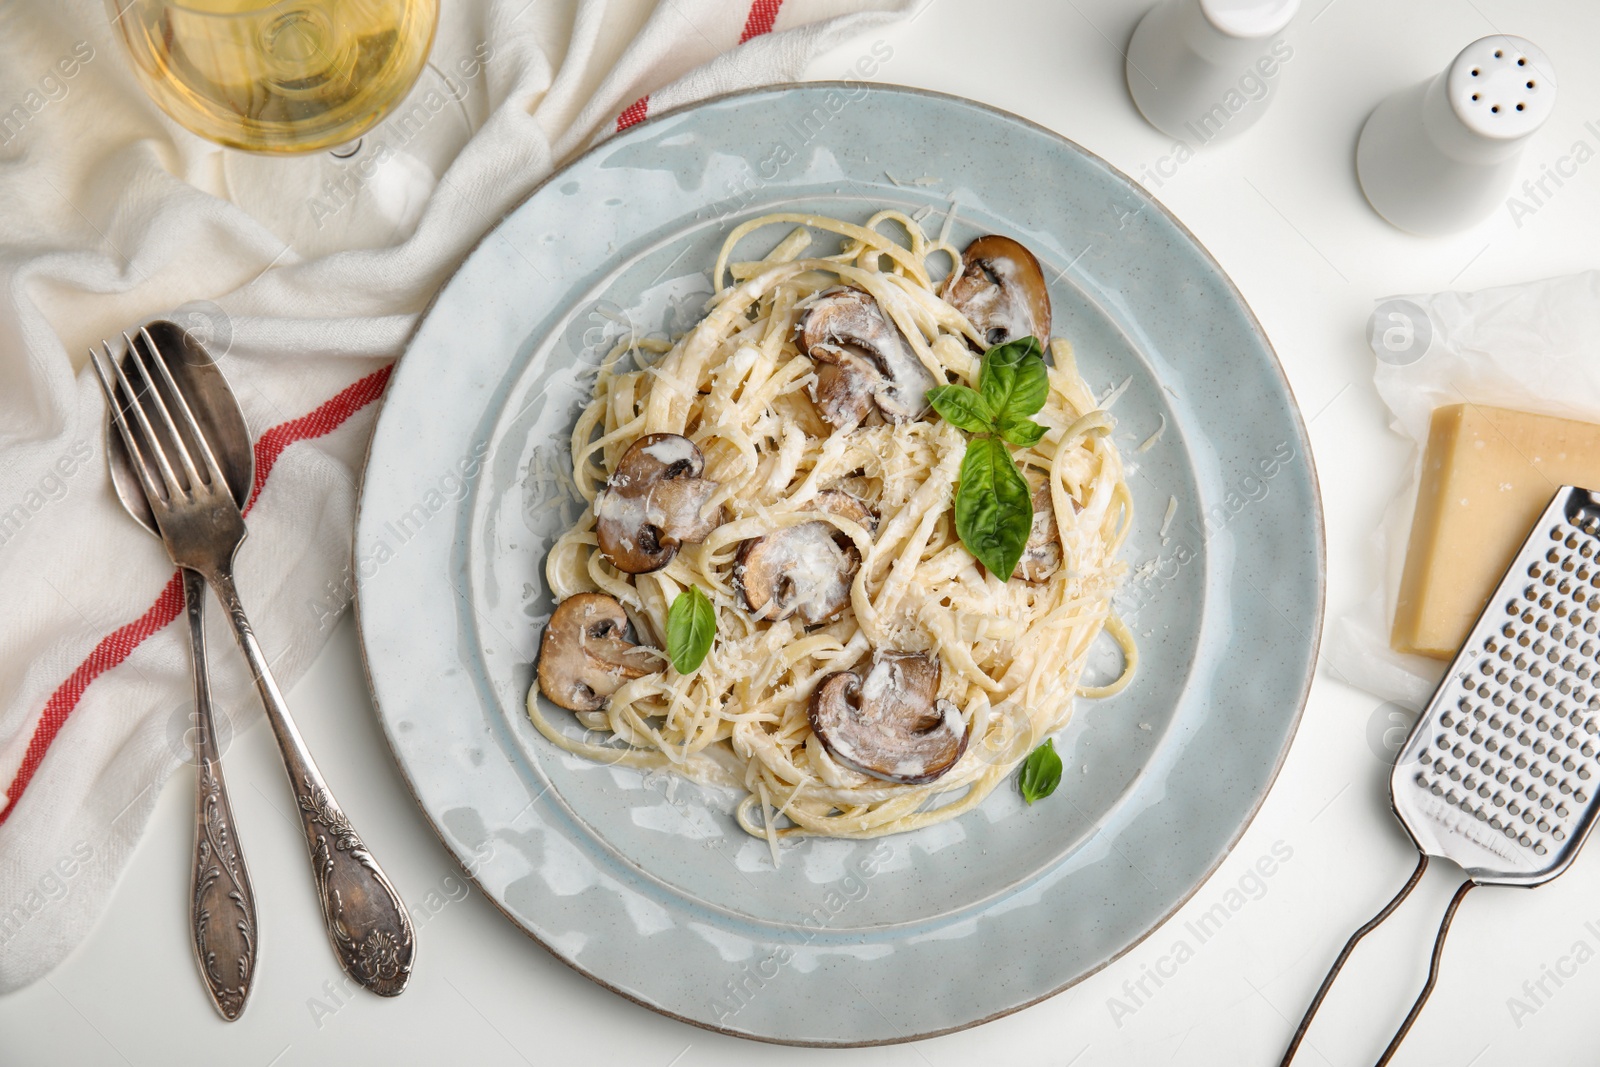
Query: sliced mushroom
point(890, 724)
point(798, 570)
point(803, 570)
point(655, 502)
point(585, 654)
point(866, 361)
point(1041, 556)
point(1001, 291)
point(846, 506)
point(844, 390)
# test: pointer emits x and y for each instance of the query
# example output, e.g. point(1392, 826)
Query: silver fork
point(203, 527)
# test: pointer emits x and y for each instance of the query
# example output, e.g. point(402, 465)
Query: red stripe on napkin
point(635, 113)
point(112, 650)
point(325, 419)
point(763, 13)
point(120, 643)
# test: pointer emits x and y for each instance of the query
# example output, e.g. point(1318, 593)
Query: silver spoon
point(222, 906)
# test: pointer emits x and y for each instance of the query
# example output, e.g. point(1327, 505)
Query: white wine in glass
point(279, 76)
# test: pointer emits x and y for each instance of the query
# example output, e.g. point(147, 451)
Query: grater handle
point(1433, 974)
point(1349, 947)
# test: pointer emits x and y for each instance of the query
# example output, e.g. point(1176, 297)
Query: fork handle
point(364, 917)
point(222, 906)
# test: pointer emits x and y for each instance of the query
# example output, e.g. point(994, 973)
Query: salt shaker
point(1442, 155)
point(1204, 70)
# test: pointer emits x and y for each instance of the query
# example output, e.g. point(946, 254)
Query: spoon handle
point(365, 918)
point(222, 912)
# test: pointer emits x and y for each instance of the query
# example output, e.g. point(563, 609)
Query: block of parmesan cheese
point(1486, 475)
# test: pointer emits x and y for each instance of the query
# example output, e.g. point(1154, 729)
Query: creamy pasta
point(1011, 654)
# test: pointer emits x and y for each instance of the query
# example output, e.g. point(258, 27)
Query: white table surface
point(1281, 210)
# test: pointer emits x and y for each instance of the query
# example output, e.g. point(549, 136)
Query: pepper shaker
point(1204, 70)
point(1442, 155)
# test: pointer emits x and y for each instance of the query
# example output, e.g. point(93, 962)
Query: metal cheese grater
point(1499, 774)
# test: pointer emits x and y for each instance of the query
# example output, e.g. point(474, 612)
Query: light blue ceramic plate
point(647, 886)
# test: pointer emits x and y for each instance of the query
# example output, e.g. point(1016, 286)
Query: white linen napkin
point(108, 218)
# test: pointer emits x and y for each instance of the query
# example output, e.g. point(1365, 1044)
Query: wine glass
point(297, 90)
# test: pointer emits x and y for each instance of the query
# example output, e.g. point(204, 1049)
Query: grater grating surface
point(1499, 774)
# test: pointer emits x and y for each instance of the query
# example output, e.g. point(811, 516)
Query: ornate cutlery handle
point(222, 912)
point(365, 918)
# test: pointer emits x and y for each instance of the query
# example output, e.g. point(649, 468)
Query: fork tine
point(154, 392)
point(169, 476)
point(213, 468)
point(136, 459)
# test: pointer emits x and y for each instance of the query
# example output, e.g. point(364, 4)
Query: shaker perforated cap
point(1502, 87)
point(1250, 18)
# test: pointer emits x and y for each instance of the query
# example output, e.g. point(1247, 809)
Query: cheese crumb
point(1153, 438)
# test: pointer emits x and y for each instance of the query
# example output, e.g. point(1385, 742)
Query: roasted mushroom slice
point(1001, 291)
point(890, 724)
point(803, 570)
point(865, 359)
point(585, 654)
point(1041, 556)
point(846, 506)
point(798, 570)
point(844, 389)
point(654, 502)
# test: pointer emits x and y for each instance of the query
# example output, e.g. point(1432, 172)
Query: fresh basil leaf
point(1014, 380)
point(994, 508)
point(962, 407)
point(1024, 432)
point(1041, 772)
point(691, 628)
